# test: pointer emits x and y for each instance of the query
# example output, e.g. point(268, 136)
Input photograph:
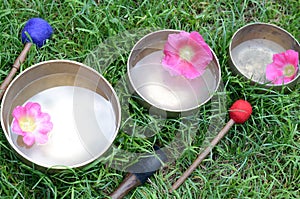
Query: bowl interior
point(252, 48)
point(83, 107)
point(160, 89)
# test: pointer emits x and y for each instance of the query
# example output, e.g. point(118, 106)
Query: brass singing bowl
point(157, 89)
point(84, 110)
point(251, 50)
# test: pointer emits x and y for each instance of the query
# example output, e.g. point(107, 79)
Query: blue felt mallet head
point(39, 31)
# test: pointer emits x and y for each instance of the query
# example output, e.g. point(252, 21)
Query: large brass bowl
point(84, 110)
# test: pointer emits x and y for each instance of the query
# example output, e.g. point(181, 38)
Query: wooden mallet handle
point(239, 112)
point(16, 66)
point(36, 31)
point(148, 165)
point(202, 156)
point(130, 182)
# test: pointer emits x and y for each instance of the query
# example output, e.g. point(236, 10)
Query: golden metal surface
point(83, 106)
point(158, 89)
point(252, 47)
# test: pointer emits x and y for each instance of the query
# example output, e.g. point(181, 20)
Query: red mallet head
point(240, 111)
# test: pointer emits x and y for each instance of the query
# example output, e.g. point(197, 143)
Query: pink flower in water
point(31, 123)
point(186, 54)
point(284, 67)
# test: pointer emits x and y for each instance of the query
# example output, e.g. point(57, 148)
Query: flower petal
point(16, 128)
point(288, 79)
point(186, 54)
point(279, 61)
point(201, 60)
point(272, 72)
point(45, 127)
point(199, 39)
point(33, 109)
point(29, 139)
point(292, 57)
point(189, 71)
point(30, 118)
point(179, 67)
point(41, 138)
point(19, 112)
point(43, 117)
point(275, 72)
point(176, 41)
point(169, 61)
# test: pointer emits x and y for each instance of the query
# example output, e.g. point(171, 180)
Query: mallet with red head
point(239, 113)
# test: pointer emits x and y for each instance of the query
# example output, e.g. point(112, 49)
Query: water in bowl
point(84, 125)
point(171, 93)
point(252, 57)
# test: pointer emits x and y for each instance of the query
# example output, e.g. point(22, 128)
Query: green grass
point(260, 159)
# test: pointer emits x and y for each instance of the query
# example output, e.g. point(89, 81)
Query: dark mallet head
point(39, 31)
point(148, 165)
point(140, 172)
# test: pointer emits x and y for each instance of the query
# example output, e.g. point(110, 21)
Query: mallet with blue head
point(36, 31)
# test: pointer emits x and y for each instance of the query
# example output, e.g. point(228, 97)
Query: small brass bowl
point(251, 50)
point(158, 90)
point(84, 110)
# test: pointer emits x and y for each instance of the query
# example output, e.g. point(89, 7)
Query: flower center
point(27, 124)
point(289, 70)
point(186, 53)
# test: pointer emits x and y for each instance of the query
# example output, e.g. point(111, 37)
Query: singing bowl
point(161, 92)
point(83, 107)
point(251, 50)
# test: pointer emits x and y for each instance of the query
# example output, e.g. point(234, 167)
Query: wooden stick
point(148, 165)
point(129, 183)
point(16, 66)
point(202, 156)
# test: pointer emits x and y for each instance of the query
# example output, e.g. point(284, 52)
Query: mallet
point(132, 180)
point(37, 31)
point(239, 113)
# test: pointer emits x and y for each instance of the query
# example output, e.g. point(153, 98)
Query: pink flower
point(31, 123)
point(186, 54)
point(283, 68)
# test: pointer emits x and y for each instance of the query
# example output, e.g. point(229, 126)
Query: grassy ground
point(260, 159)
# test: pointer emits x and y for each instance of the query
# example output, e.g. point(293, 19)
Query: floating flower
point(186, 54)
point(283, 68)
point(31, 123)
